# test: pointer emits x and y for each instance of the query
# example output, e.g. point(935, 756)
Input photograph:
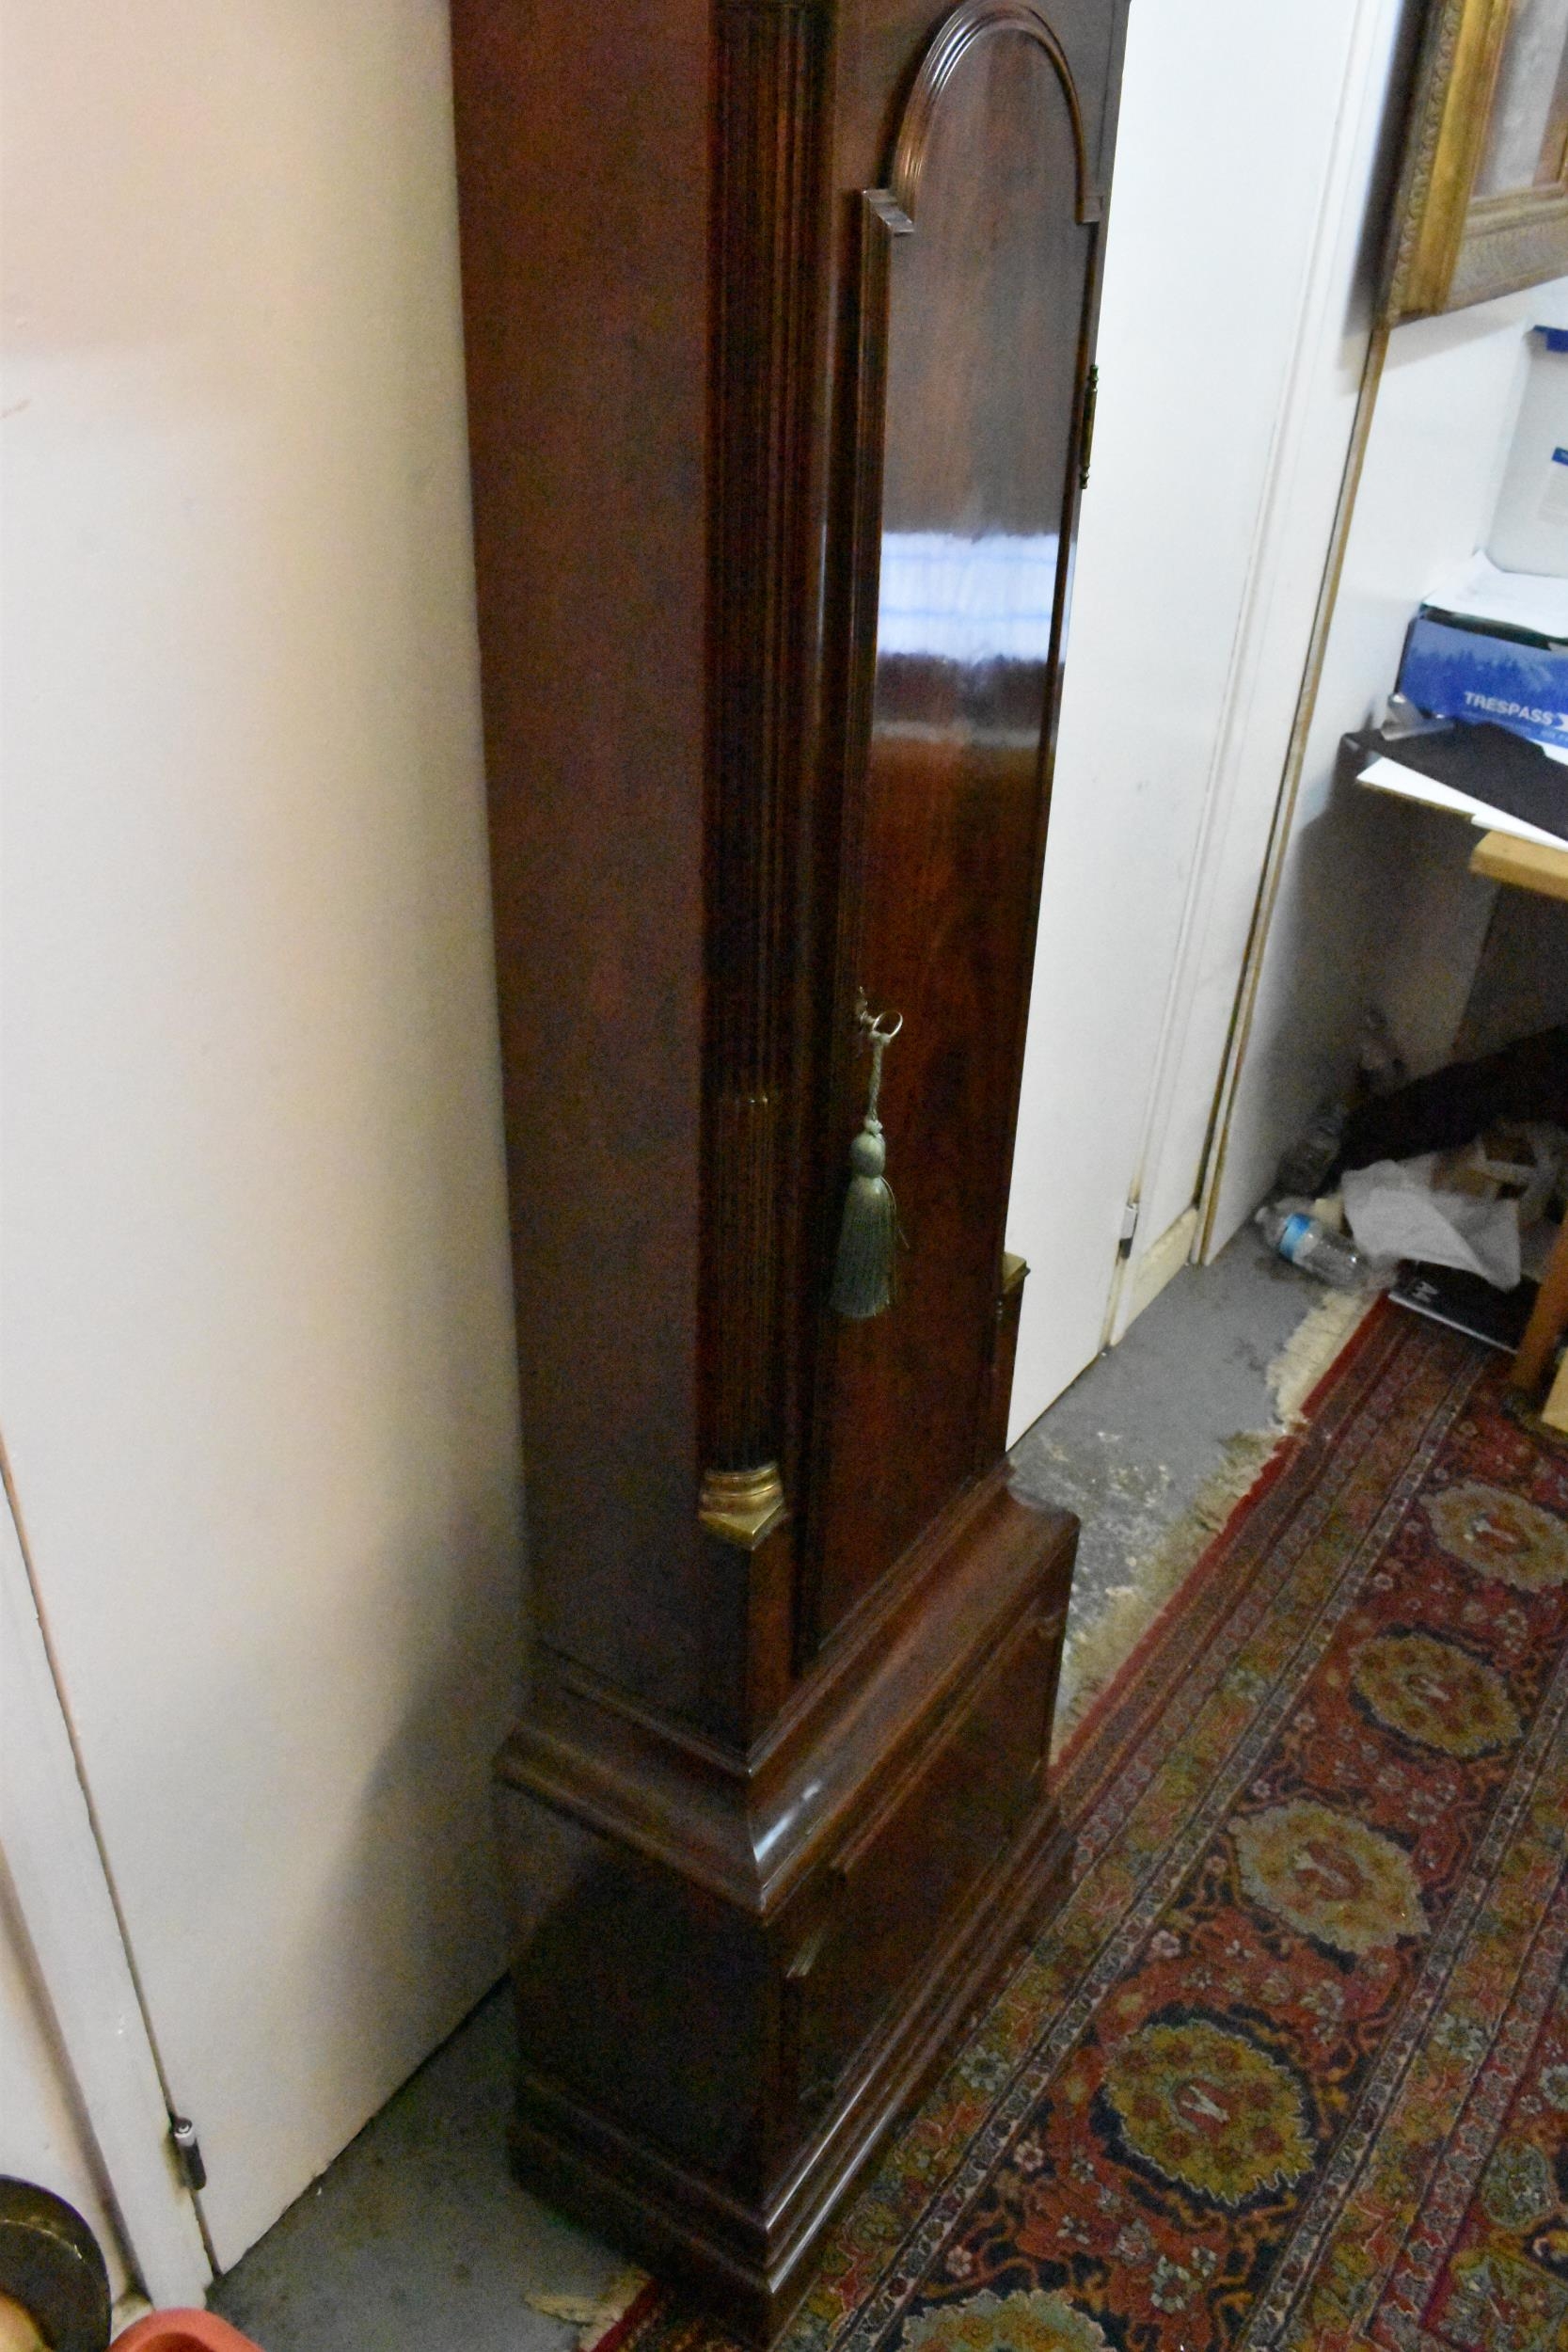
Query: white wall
point(258, 1378)
point(1375, 901)
point(1229, 369)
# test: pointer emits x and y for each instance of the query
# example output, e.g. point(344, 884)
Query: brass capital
point(742, 1506)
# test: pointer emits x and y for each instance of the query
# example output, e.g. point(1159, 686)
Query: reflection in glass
point(968, 600)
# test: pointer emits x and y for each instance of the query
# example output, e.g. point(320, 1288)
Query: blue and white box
point(1458, 669)
point(1493, 646)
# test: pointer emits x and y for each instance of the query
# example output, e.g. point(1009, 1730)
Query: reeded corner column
point(770, 66)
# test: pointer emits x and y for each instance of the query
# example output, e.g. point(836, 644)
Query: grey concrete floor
point(418, 2237)
point(1135, 1439)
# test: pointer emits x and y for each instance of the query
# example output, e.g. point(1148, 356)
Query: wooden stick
point(1548, 1316)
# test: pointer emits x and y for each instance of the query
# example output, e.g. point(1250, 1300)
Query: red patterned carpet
point(1290, 2068)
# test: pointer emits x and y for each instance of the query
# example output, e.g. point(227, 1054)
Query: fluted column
point(770, 60)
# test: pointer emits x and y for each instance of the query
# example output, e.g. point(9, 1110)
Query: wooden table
point(1530, 865)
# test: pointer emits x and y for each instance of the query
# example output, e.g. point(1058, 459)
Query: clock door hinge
point(187, 2152)
point(1085, 437)
point(1129, 1227)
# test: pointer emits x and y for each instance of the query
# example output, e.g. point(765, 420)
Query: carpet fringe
point(1091, 1658)
point(1317, 1342)
point(592, 2315)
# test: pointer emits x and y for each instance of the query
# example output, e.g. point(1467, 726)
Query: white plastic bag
point(1394, 1213)
point(1462, 1209)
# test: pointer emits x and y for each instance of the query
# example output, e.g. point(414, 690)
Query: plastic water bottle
point(1306, 1165)
point(1305, 1240)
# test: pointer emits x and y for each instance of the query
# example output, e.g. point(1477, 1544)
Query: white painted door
point(257, 1372)
point(1247, 136)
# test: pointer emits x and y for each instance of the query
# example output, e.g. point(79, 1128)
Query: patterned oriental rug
point(1290, 2067)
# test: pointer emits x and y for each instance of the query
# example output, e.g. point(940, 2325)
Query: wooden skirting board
point(1147, 1276)
point(1555, 1411)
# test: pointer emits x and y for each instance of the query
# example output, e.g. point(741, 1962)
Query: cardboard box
point(1459, 669)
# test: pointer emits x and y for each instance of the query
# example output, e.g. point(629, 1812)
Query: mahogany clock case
point(779, 319)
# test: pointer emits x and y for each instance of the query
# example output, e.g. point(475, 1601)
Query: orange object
point(183, 2331)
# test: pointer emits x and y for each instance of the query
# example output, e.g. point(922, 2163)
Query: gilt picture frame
point(1482, 201)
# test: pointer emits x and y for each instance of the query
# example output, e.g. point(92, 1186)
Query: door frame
point(1326, 400)
point(67, 1905)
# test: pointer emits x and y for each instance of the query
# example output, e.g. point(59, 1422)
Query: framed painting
point(1482, 206)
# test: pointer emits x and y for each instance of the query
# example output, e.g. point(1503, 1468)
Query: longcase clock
point(780, 317)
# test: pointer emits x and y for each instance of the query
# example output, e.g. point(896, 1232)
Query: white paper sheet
point(1479, 591)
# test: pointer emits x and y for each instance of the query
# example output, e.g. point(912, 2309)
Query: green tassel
point(863, 1274)
point(869, 1236)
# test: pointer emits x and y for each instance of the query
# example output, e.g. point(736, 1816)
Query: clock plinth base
point(731, 1983)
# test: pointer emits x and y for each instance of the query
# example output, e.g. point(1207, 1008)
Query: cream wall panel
point(257, 1376)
